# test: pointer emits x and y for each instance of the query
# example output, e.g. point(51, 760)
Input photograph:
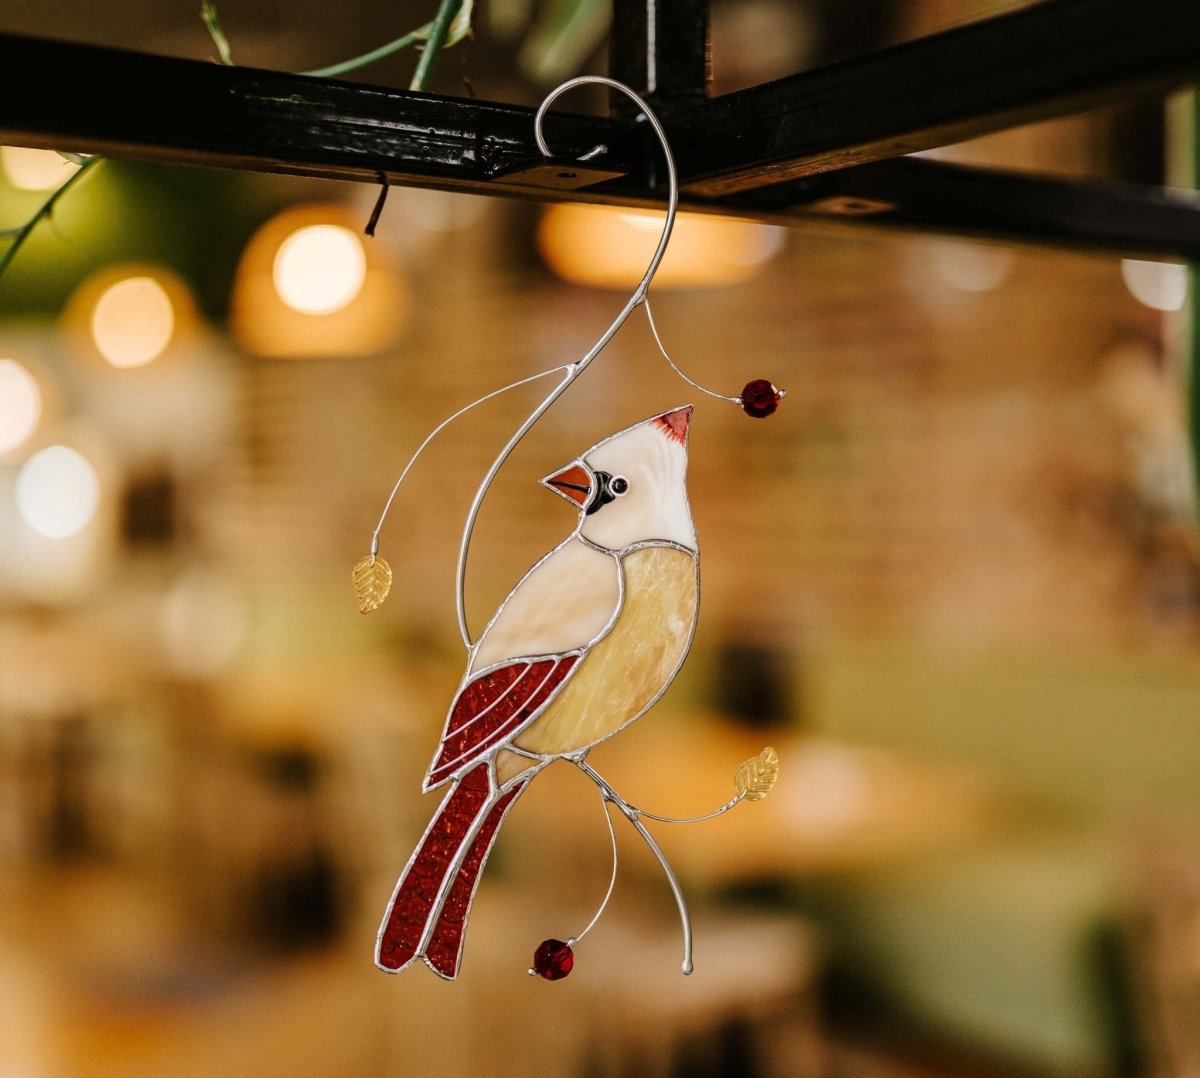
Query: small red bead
point(760, 398)
point(553, 960)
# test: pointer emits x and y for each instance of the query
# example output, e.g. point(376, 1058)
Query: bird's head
point(632, 487)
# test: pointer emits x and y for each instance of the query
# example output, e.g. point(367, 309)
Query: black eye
point(608, 489)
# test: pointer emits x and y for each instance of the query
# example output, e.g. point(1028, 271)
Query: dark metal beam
point(1046, 60)
point(157, 108)
point(185, 112)
point(926, 195)
point(660, 48)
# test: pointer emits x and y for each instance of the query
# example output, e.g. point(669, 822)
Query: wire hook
point(574, 370)
point(639, 293)
point(570, 371)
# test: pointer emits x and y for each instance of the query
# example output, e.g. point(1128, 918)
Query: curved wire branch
point(633, 815)
point(434, 433)
point(675, 366)
point(20, 235)
point(686, 965)
point(605, 801)
point(735, 800)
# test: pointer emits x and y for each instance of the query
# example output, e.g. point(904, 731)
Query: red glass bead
point(760, 398)
point(553, 960)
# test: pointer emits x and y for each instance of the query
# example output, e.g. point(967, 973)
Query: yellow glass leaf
point(756, 777)
point(372, 579)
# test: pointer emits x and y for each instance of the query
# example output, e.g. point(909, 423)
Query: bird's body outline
point(477, 791)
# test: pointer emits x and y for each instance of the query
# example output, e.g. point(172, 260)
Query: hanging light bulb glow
point(20, 404)
point(35, 170)
point(306, 287)
point(606, 248)
point(58, 492)
point(320, 269)
point(132, 322)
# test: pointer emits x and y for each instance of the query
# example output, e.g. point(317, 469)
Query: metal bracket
point(850, 206)
point(557, 173)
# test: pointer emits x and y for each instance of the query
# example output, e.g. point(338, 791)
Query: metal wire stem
point(605, 801)
point(632, 814)
point(731, 803)
point(434, 433)
point(675, 366)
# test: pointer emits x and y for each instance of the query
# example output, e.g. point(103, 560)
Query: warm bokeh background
point(954, 581)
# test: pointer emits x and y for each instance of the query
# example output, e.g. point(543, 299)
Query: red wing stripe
point(505, 697)
point(468, 736)
point(446, 764)
point(479, 738)
point(473, 701)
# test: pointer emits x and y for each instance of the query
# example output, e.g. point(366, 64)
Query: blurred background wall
point(954, 581)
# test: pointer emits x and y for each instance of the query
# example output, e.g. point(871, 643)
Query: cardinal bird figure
point(585, 644)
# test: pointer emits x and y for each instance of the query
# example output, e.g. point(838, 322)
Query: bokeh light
point(307, 287)
point(320, 269)
point(1160, 285)
point(203, 622)
point(58, 492)
point(132, 322)
point(20, 404)
point(971, 267)
point(35, 170)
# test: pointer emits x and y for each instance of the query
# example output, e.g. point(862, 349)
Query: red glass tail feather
point(444, 950)
point(446, 865)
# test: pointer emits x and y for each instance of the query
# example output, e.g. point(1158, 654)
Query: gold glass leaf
point(372, 579)
point(756, 777)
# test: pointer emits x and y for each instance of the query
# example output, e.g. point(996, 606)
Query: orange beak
point(574, 483)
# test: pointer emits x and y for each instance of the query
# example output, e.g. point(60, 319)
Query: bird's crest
point(675, 424)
